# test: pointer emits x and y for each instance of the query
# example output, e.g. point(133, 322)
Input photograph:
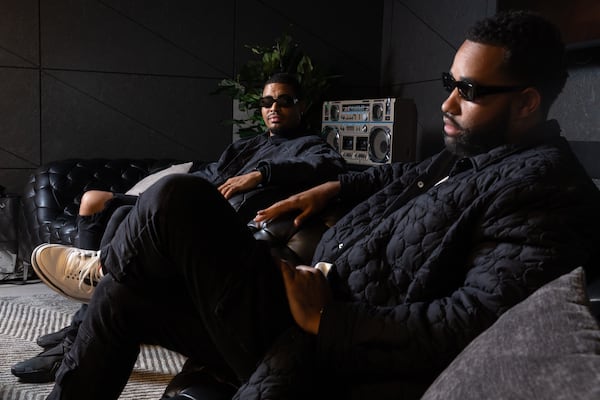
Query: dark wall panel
point(202, 29)
point(19, 118)
point(19, 91)
point(19, 33)
point(113, 115)
point(97, 36)
point(428, 96)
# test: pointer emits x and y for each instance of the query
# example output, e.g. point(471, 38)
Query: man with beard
point(429, 257)
point(273, 165)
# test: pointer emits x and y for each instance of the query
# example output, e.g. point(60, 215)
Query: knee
point(179, 186)
point(93, 201)
point(181, 198)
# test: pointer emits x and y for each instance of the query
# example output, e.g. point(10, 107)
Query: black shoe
point(42, 368)
point(52, 339)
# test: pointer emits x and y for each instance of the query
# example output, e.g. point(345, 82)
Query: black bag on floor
point(9, 245)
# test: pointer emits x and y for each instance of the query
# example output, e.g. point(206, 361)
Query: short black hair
point(535, 51)
point(286, 79)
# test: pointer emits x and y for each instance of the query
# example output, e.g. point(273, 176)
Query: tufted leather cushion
point(53, 192)
point(197, 382)
point(292, 243)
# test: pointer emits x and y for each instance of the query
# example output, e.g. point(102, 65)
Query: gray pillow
point(150, 180)
point(546, 347)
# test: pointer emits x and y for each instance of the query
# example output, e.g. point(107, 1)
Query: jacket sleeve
point(308, 162)
point(518, 239)
point(358, 186)
point(215, 172)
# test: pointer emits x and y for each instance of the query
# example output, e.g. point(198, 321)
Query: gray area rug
point(24, 318)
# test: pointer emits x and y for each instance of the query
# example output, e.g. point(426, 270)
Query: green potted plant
point(246, 88)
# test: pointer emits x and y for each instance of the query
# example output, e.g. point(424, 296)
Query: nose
point(452, 103)
point(274, 106)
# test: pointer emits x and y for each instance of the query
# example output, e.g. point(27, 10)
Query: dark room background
point(133, 78)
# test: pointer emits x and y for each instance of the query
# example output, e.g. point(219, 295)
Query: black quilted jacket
point(422, 269)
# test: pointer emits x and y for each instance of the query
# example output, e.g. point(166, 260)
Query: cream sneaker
point(70, 271)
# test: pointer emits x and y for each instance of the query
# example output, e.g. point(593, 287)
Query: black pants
point(184, 273)
point(90, 231)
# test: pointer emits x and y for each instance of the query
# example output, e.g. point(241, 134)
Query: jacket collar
point(287, 135)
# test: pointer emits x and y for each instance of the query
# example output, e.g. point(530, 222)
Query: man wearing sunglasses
point(283, 160)
point(429, 257)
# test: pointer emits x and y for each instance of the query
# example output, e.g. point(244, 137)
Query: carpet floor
point(24, 318)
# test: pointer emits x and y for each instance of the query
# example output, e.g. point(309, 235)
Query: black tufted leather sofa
point(53, 192)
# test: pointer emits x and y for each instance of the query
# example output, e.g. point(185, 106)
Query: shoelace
point(87, 262)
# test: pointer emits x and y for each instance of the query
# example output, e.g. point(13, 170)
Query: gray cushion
point(546, 347)
point(151, 179)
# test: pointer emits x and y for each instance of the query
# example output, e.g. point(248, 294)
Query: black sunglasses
point(285, 100)
point(471, 91)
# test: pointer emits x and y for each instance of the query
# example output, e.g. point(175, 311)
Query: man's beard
point(480, 139)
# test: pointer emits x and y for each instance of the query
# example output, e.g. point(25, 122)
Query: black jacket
point(288, 165)
point(298, 162)
point(421, 269)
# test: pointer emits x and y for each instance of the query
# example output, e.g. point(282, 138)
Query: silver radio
point(371, 131)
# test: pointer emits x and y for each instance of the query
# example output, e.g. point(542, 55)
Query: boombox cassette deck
point(371, 131)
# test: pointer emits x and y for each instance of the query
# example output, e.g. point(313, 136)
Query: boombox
point(371, 131)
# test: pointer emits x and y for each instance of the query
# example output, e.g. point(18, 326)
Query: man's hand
point(241, 183)
point(308, 202)
point(307, 292)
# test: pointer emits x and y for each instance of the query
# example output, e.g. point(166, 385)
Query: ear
point(529, 102)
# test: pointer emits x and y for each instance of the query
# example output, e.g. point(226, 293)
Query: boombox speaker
point(371, 131)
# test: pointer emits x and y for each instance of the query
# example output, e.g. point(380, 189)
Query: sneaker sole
point(40, 274)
